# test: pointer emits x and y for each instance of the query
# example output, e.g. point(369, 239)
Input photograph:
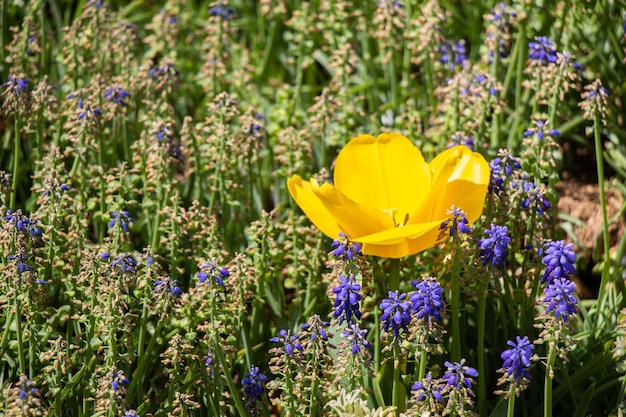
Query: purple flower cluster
point(19, 85)
point(168, 284)
point(453, 54)
point(86, 111)
point(429, 388)
point(125, 262)
point(541, 130)
point(488, 82)
point(164, 132)
point(117, 379)
point(457, 380)
point(222, 10)
point(347, 308)
point(317, 329)
point(559, 298)
point(27, 388)
point(458, 375)
point(493, 248)
point(345, 249)
point(502, 167)
point(356, 337)
point(116, 94)
point(164, 70)
point(289, 342)
point(21, 259)
point(501, 14)
point(253, 387)
point(457, 222)
point(121, 217)
point(559, 260)
point(542, 51)
point(396, 312)
point(211, 269)
point(458, 139)
point(427, 300)
point(597, 91)
point(98, 4)
point(347, 301)
point(209, 362)
point(23, 223)
point(535, 197)
point(517, 359)
point(61, 187)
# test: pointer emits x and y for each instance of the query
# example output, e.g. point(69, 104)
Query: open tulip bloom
point(387, 197)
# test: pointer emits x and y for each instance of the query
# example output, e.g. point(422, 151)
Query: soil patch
point(581, 201)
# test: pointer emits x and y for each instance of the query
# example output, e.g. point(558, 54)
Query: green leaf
point(585, 401)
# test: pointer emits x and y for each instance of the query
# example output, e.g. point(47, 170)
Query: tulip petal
point(460, 178)
point(303, 194)
point(332, 212)
point(402, 241)
point(385, 173)
point(397, 234)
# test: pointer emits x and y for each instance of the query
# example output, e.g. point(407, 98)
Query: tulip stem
point(394, 275)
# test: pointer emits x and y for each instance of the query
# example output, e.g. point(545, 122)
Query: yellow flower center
point(392, 215)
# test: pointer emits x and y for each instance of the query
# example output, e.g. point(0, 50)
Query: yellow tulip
point(387, 197)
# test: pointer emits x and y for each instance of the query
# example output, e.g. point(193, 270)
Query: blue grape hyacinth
point(517, 359)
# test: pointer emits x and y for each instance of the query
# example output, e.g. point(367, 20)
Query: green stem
point(605, 223)
point(20, 341)
point(290, 408)
point(554, 103)
point(493, 68)
point(399, 391)
point(314, 386)
point(455, 348)
point(234, 392)
point(406, 57)
point(16, 161)
point(510, 412)
point(218, 172)
point(377, 339)
point(394, 275)
point(393, 82)
point(3, 29)
point(431, 103)
point(298, 87)
point(378, 393)
point(219, 47)
point(622, 391)
point(5, 333)
point(101, 230)
point(422, 368)
point(547, 392)
point(143, 360)
point(521, 63)
point(372, 92)
point(482, 374)
point(32, 347)
point(157, 221)
point(142, 338)
point(511, 70)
